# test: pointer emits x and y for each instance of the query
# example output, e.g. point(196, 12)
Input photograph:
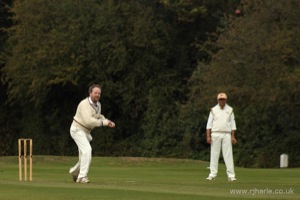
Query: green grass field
point(143, 179)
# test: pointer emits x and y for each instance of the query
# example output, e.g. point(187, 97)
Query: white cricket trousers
point(218, 141)
point(82, 139)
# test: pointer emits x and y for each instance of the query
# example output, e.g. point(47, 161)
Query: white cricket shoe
point(210, 178)
point(232, 179)
point(82, 180)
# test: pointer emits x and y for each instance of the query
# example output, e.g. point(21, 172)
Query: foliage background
point(161, 64)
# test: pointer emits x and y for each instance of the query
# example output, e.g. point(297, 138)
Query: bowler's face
point(95, 94)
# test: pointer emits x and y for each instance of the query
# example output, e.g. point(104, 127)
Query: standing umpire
point(220, 132)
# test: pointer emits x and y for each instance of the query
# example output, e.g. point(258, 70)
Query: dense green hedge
point(160, 64)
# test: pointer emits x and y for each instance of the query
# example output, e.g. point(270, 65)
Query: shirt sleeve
point(210, 121)
point(232, 122)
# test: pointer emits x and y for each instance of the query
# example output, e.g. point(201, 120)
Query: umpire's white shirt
point(221, 120)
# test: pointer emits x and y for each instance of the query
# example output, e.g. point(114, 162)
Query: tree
point(8, 117)
point(141, 52)
point(47, 45)
point(256, 65)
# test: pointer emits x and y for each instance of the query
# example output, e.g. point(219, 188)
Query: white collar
point(91, 102)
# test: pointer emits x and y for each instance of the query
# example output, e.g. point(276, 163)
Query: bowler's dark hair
point(93, 86)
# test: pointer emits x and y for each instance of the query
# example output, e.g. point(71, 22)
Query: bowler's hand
point(111, 124)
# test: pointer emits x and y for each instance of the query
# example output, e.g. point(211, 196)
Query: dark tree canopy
point(160, 64)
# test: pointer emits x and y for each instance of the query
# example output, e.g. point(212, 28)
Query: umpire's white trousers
point(82, 139)
point(218, 141)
